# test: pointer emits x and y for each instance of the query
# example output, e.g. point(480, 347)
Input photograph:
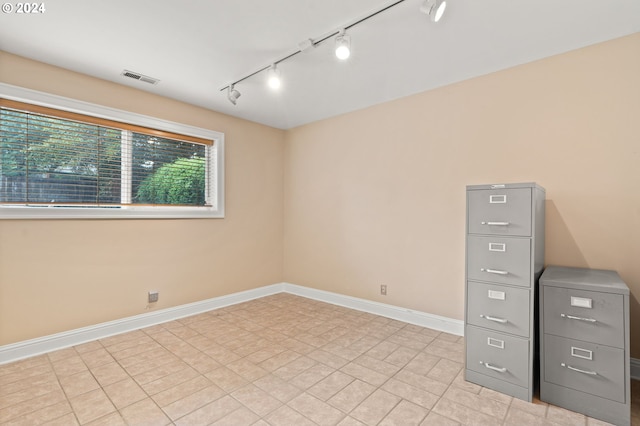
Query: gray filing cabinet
point(504, 259)
point(584, 338)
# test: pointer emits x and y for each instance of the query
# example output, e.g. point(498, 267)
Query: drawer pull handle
point(494, 271)
point(578, 318)
point(495, 223)
point(591, 373)
point(494, 319)
point(494, 368)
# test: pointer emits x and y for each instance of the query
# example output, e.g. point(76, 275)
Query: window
point(67, 159)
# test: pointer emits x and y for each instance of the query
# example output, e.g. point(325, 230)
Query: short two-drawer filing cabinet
point(505, 257)
point(584, 338)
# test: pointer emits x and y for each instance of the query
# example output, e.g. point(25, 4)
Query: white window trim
point(216, 153)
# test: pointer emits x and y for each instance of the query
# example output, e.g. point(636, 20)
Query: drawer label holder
point(496, 343)
point(501, 247)
point(496, 295)
point(581, 353)
point(498, 199)
point(581, 302)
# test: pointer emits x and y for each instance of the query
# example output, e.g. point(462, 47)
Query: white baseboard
point(635, 368)
point(40, 345)
point(33, 347)
point(410, 316)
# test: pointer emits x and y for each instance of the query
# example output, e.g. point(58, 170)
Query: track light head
point(232, 94)
point(273, 77)
point(434, 8)
point(343, 46)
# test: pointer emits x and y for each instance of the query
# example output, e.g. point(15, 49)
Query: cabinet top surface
point(505, 186)
point(583, 278)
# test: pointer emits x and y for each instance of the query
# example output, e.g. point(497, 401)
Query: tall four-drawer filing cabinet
point(584, 342)
point(504, 260)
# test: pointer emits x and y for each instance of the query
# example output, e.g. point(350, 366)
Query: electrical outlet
point(153, 296)
point(383, 289)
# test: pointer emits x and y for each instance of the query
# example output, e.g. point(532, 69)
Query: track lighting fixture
point(343, 45)
point(434, 8)
point(233, 94)
point(273, 77)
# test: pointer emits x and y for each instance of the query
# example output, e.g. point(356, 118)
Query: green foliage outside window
point(179, 182)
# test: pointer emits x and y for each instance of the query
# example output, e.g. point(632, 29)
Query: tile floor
point(279, 360)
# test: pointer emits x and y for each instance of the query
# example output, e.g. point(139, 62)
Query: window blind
point(57, 158)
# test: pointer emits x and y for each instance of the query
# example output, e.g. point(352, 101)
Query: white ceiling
point(196, 47)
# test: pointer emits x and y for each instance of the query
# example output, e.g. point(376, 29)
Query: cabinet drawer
point(499, 308)
point(498, 355)
point(585, 367)
point(567, 313)
point(500, 260)
point(500, 211)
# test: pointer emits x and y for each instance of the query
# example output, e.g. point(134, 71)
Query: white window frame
point(215, 162)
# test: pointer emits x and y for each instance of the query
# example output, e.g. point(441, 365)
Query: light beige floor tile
point(256, 399)
point(193, 402)
point(169, 381)
point(287, 416)
point(241, 417)
point(31, 405)
point(327, 358)
point(109, 373)
point(365, 374)
point(350, 421)
point(595, 422)
point(210, 413)
point(375, 407)
point(311, 376)
point(422, 363)
point(517, 417)
point(317, 411)
point(28, 392)
point(43, 415)
point(246, 369)
point(296, 362)
point(92, 405)
point(96, 357)
point(445, 370)
point(278, 388)
point(565, 417)
point(489, 406)
point(26, 383)
point(421, 382)
point(463, 414)
point(124, 393)
point(435, 419)
point(69, 366)
point(66, 420)
point(294, 368)
point(405, 414)
point(461, 383)
point(113, 419)
point(536, 407)
point(226, 379)
point(78, 384)
point(498, 396)
point(351, 396)
point(330, 385)
point(180, 391)
point(386, 368)
point(417, 396)
point(144, 413)
point(279, 360)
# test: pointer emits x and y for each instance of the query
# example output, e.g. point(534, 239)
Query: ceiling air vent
point(140, 77)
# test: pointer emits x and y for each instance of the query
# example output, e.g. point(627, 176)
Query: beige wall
point(372, 197)
point(65, 274)
point(378, 196)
